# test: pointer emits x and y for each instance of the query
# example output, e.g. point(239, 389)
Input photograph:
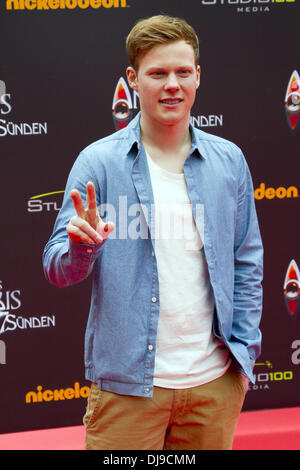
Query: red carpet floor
point(259, 430)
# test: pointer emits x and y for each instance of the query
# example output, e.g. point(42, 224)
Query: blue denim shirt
point(121, 331)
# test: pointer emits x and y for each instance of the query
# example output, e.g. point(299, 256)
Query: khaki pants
point(198, 418)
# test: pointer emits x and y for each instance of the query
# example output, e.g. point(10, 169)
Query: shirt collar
point(134, 137)
point(195, 148)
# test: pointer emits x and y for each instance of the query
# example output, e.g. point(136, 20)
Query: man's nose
point(172, 83)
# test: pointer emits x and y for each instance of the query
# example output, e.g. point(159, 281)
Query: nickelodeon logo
point(58, 394)
point(280, 193)
point(63, 4)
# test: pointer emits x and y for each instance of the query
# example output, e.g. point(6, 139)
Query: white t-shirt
point(187, 352)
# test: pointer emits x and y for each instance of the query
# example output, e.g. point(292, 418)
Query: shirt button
point(150, 347)
point(147, 390)
point(153, 254)
point(153, 299)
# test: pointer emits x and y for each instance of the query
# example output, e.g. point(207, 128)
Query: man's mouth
point(172, 101)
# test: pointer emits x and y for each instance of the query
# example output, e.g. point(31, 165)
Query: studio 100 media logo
point(45, 202)
point(249, 6)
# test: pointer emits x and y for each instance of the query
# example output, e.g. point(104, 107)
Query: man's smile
point(171, 101)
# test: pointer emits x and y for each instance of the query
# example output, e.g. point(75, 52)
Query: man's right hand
point(87, 226)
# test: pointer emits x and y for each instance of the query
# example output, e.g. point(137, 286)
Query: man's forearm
point(67, 263)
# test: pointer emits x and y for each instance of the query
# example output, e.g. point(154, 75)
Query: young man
point(165, 217)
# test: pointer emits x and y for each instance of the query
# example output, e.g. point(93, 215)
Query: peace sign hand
point(87, 226)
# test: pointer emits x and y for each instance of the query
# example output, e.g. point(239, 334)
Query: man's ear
point(198, 72)
point(132, 78)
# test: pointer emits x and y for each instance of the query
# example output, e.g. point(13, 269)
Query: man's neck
point(167, 145)
point(167, 138)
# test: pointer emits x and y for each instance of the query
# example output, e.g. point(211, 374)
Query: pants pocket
point(93, 406)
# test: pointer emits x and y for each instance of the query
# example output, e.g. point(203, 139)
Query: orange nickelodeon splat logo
point(292, 101)
point(291, 288)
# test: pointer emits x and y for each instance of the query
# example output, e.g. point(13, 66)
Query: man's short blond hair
point(157, 30)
